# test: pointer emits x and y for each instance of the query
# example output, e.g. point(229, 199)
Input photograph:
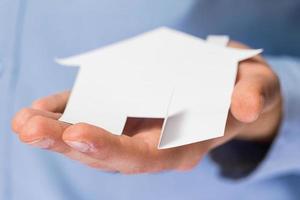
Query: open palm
point(255, 114)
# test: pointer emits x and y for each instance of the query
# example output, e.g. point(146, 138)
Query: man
point(261, 143)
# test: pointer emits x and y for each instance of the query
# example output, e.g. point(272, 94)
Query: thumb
point(254, 92)
point(247, 101)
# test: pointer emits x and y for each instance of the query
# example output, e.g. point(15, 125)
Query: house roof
point(160, 39)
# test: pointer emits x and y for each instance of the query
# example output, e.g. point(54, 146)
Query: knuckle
point(83, 132)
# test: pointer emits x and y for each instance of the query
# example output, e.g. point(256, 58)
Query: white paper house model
point(159, 74)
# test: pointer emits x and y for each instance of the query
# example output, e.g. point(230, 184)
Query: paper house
point(163, 73)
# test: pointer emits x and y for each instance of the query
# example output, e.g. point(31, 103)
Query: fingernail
point(80, 146)
point(42, 143)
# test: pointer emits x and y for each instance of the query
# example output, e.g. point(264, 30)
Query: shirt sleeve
point(284, 154)
point(256, 161)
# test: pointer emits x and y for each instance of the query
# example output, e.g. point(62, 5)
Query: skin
point(255, 114)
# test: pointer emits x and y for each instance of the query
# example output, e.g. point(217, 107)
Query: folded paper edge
point(219, 40)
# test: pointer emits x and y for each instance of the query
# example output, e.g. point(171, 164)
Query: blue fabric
point(34, 32)
point(284, 155)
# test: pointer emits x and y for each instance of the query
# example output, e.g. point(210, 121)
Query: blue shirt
point(34, 32)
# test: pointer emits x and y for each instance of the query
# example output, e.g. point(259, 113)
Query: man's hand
point(255, 114)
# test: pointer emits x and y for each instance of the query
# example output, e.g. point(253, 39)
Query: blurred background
point(34, 32)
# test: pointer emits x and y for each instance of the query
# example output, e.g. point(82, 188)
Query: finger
point(124, 153)
point(25, 114)
point(53, 103)
point(254, 92)
point(46, 133)
point(118, 152)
